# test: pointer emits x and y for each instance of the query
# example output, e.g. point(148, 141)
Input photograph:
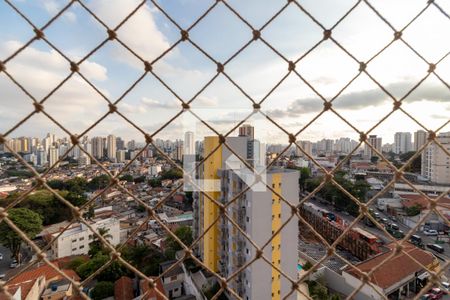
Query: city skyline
point(293, 104)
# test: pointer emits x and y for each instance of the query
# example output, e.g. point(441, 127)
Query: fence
point(256, 104)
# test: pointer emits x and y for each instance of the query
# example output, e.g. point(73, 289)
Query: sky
point(257, 69)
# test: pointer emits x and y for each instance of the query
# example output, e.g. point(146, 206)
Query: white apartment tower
point(435, 162)
point(402, 142)
point(420, 139)
point(375, 142)
point(111, 147)
point(53, 156)
point(189, 144)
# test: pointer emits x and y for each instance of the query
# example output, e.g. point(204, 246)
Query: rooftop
point(396, 268)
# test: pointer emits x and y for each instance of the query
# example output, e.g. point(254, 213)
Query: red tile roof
point(396, 268)
point(123, 289)
point(24, 286)
point(45, 270)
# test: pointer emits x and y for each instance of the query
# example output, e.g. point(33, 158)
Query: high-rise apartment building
point(98, 147)
point(53, 156)
point(111, 147)
point(435, 162)
point(375, 142)
point(402, 142)
point(223, 248)
point(306, 146)
point(420, 139)
point(247, 130)
point(189, 144)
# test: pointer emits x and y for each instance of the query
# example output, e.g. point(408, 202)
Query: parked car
point(13, 264)
point(1, 256)
point(415, 239)
point(430, 232)
point(437, 293)
point(394, 226)
point(436, 248)
point(446, 285)
point(385, 221)
point(2, 275)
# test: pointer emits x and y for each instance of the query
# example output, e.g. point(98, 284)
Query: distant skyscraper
point(375, 142)
point(98, 147)
point(402, 142)
point(189, 145)
point(120, 144)
point(111, 147)
point(41, 156)
point(53, 156)
point(306, 146)
point(120, 155)
point(247, 130)
point(420, 139)
point(131, 145)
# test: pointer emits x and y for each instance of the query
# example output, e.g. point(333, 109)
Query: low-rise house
point(76, 239)
point(399, 276)
point(173, 279)
point(58, 290)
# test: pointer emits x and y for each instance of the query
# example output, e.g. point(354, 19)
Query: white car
point(1, 256)
point(431, 232)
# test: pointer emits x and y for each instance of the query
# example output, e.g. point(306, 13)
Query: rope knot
point(256, 106)
point(362, 137)
point(362, 66)
point(326, 34)
point(256, 34)
point(111, 34)
point(431, 135)
point(292, 138)
point(220, 68)
point(221, 139)
point(74, 139)
point(74, 67)
point(397, 104)
point(291, 66)
point(148, 66)
point(2, 66)
point(112, 108)
point(39, 33)
point(184, 105)
point(397, 35)
point(431, 68)
point(327, 105)
point(184, 35)
point(148, 138)
point(38, 107)
point(2, 139)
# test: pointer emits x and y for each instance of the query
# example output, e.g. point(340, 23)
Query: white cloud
point(140, 32)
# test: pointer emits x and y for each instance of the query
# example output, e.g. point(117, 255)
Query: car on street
point(436, 248)
point(430, 232)
point(1, 256)
point(446, 285)
point(437, 293)
point(13, 264)
point(394, 226)
point(385, 221)
point(2, 275)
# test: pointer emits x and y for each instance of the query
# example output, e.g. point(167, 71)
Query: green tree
point(96, 245)
point(305, 174)
point(98, 182)
point(155, 182)
point(27, 221)
point(145, 258)
point(102, 290)
point(184, 233)
point(172, 174)
point(126, 177)
point(413, 210)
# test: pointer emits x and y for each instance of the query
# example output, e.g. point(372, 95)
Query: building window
point(74, 249)
point(81, 247)
point(74, 241)
point(173, 278)
point(82, 239)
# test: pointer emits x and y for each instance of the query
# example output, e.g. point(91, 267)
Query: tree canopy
point(27, 221)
